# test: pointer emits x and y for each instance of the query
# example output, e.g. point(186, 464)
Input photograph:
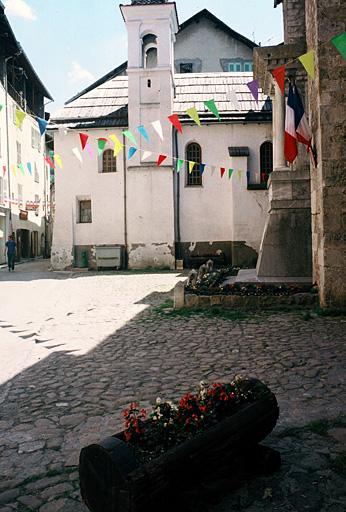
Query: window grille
point(85, 212)
point(109, 162)
point(194, 154)
point(266, 160)
point(186, 67)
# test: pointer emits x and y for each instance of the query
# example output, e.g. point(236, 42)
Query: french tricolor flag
point(297, 128)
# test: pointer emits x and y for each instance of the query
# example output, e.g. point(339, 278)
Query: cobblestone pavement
point(74, 396)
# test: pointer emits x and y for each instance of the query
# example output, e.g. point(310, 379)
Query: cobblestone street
point(77, 348)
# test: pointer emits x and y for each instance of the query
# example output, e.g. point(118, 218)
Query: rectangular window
point(186, 68)
point(20, 195)
point(248, 66)
point(85, 211)
point(36, 174)
point(234, 67)
point(19, 153)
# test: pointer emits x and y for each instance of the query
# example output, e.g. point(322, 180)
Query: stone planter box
point(113, 480)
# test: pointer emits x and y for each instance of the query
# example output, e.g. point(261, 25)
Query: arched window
point(109, 162)
point(266, 160)
point(149, 51)
point(194, 154)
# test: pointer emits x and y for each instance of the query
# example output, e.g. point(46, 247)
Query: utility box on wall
point(108, 256)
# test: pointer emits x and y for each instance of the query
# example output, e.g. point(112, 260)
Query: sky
point(72, 43)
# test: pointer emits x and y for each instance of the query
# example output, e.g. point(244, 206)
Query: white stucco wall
point(223, 209)
point(30, 187)
point(209, 44)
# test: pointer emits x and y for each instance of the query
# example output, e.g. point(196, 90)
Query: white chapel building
point(150, 216)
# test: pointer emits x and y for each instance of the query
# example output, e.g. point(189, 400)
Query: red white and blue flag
point(297, 128)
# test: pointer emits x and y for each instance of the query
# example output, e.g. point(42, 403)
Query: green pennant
point(21, 168)
point(210, 104)
point(101, 143)
point(230, 172)
point(340, 43)
point(180, 164)
point(1, 107)
point(130, 136)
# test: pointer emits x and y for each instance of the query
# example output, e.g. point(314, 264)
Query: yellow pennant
point(20, 116)
point(239, 175)
point(192, 112)
point(191, 166)
point(14, 170)
point(57, 160)
point(117, 144)
point(308, 61)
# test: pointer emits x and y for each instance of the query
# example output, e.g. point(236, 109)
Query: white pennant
point(77, 154)
point(158, 128)
point(213, 169)
point(232, 95)
point(146, 155)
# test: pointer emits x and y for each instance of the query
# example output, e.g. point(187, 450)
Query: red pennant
point(279, 75)
point(222, 170)
point(4, 170)
point(83, 139)
point(161, 159)
point(174, 119)
point(49, 162)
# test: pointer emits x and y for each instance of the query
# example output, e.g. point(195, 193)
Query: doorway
point(23, 243)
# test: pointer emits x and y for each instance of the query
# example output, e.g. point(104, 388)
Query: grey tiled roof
point(106, 105)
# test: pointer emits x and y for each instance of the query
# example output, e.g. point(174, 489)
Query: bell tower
point(151, 27)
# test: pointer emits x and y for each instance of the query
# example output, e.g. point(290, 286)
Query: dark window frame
point(266, 160)
point(188, 66)
point(109, 162)
point(81, 215)
point(193, 153)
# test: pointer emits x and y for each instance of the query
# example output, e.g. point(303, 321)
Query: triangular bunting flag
point(20, 116)
point(239, 174)
point(191, 166)
point(3, 170)
point(83, 139)
point(129, 135)
point(143, 132)
point(42, 124)
point(14, 170)
point(29, 168)
point(254, 86)
point(192, 112)
point(57, 160)
point(101, 144)
point(131, 152)
point(210, 104)
point(1, 107)
point(222, 171)
point(49, 162)
point(180, 164)
point(308, 61)
point(201, 168)
point(279, 75)
point(89, 150)
point(161, 159)
point(213, 169)
point(174, 119)
point(230, 172)
point(77, 154)
point(158, 128)
point(340, 43)
point(21, 168)
point(118, 146)
point(146, 155)
point(233, 98)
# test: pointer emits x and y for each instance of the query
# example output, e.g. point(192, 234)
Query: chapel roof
point(106, 105)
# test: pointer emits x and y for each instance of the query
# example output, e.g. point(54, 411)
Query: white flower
point(158, 400)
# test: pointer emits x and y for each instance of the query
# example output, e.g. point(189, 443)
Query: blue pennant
point(143, 132)
point(201, 168)
point(29, 167)
point(42, 124)
point(132, 151)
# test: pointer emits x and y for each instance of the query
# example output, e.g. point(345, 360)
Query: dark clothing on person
point(10, 261)
point(11, 253)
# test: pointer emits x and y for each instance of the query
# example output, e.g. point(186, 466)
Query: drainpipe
point(177, 200)
point(125, 204)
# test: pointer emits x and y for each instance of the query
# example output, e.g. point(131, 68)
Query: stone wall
point(327, 98)
point(294, 20)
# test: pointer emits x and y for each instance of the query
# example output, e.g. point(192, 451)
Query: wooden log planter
point(113, 480)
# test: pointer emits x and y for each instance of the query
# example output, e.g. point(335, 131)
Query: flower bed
point(158, 453)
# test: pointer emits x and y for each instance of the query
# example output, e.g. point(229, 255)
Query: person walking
point(11, 252)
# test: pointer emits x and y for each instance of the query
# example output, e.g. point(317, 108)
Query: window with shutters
point(36, 174)
point(193, 154)
point(109, 161)
point(266, 160)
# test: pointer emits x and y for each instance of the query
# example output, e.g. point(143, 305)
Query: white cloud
point(20, 9)
point(79, 75)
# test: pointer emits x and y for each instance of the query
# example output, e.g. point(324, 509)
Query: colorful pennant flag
point(101, 144)
point(89, 150)
point(308, 61)
point(143, 132)
point(29, 168)
point(230, 173)
point(42, 124)
point(180, 164)
point(174, 119)
point(213, 169)
point(222, 171)
point(118, 146)
point(83, 139)
point(14, 170)
point(3, 170)
point(129, 135)
point(57, 160)
point(340, 44)
point(132, 151)
point(201, 168)
point(192, 112)
point(279, 75)
point(239, 175)
point(21, 168)
point(20, 116)
point(1, 107)
point(191, 166)
point(146, 155)
point(49, 162)
point(210, 104)
point(158, 128)
point(77, 154)
point(297, 128)
point(161, 159)
point(254, 86)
